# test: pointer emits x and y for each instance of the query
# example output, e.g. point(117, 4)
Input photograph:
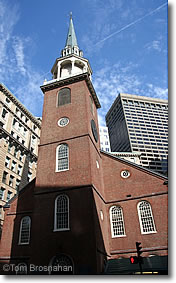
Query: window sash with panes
point(62, 157)
point(4, 113)
point(62, 213)
point(4, 178)
point(19, 172)
point(9, 195)
point(17, 184)
point(25, 230)
point(11, 181)
point(2, 190)
point(146, 218)
point(64, 96)
point(7, 162)
point(13, 167)
point(117, 222)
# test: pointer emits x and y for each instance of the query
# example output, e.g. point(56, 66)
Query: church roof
point(134, 164)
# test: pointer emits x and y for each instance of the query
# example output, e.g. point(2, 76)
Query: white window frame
point(57, 159)
point(140, 219)
point(21, 224)
point(111, 222)
point(56, 214)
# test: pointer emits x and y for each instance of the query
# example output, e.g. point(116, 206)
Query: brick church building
point(86, 209)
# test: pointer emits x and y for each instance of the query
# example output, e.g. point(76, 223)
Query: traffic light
point(139, 252)
point(138, 249)
point(133, 259)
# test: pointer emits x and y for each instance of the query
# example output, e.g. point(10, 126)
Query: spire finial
point(71, 46)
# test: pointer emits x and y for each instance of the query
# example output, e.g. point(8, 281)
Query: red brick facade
point(93, 184)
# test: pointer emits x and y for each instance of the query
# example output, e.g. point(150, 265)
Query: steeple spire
point(71, 46)
point(71, 63)
point(71, 37)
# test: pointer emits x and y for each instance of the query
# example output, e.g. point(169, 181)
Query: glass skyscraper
point(140, 124)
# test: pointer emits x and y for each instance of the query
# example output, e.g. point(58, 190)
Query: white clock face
point(125, 174)
point(63, 122)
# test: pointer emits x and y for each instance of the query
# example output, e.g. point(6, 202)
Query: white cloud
point(156, 91)
point(8, 18)
point(106, 24)
point(112, 80)
point(18, 46)
point(154, 45)
point(16, 72)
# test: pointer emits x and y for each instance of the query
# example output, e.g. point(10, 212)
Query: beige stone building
point(19, 139)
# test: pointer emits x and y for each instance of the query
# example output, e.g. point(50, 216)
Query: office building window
point(4, 178)
point(19, 171)
point(9, 195)
point(13, 167)
point(4, 114)
point(17, 184)
point(11, 179)
point(2, 190)
point(7, 162)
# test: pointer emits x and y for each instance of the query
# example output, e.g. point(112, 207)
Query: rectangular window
point(17, 184)
point(4, 114)
point(11, 181)
point(9, 195)
point(29, 176)
point(2, 190)
point(19, 172)
point(16, 152)
point(24, 132)
point(7, 162)
point(21, 156)
point(4, 178)
point(33, 140)
point(13, 167)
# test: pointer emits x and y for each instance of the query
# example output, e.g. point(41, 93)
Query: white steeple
point(71, 63)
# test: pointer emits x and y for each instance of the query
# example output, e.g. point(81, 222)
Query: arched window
point(21, 269)
point(64, 96)
point(61, 220)
point(61, 264)
point(25, 226)
point(117, 222)
point(146, 218)
point(62, 157)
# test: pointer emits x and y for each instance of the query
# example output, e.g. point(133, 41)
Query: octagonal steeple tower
point(71, 62)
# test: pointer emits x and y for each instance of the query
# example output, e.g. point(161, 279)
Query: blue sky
point(124, 40)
